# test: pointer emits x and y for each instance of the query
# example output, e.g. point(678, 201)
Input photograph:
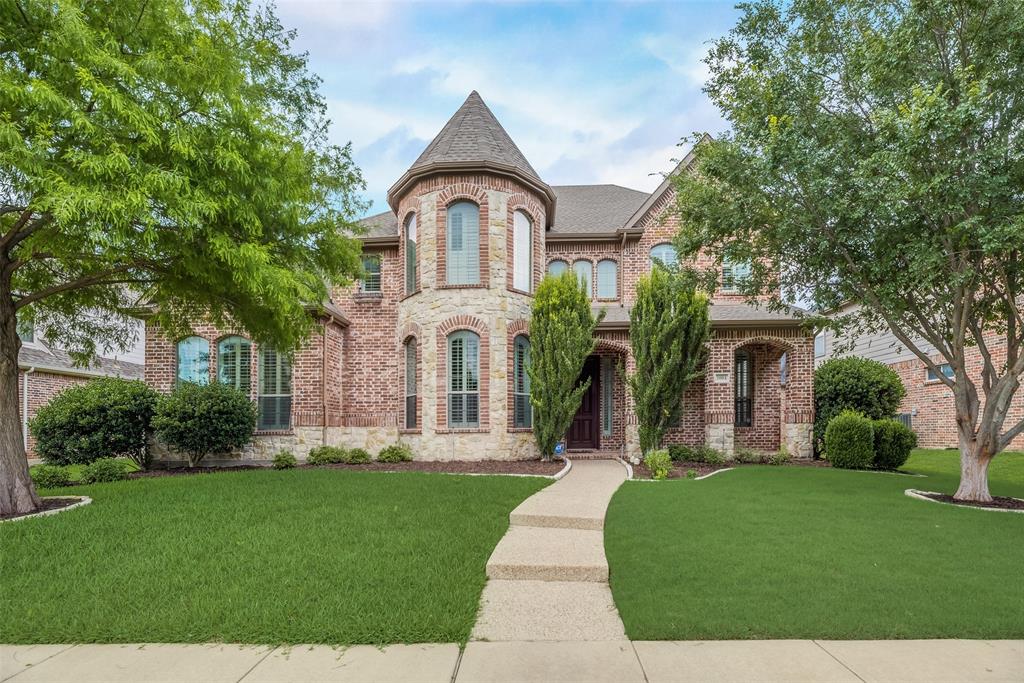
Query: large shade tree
point(875, 156)
point(159, 151)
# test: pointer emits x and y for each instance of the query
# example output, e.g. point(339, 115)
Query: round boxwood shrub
point(398, 452)
point(198, 420)
point(285, 460)
point(893, 443)
point(50, 476)
point(104, 469)
point(102, 418)
point(867, 386)
point(359, 456)
point(850, 441)
point(326, 455)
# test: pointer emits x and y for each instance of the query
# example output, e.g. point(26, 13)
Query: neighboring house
point(928, 407)
point(44, 371)
point(431, 348)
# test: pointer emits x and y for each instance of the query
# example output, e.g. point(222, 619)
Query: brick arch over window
point(528, 205)
point(455, 324)
point(516, 328)
point(448, 196)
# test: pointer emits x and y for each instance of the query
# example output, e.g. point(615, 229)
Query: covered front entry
point(585, 431)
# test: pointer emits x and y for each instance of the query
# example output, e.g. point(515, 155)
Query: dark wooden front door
point(585, 429)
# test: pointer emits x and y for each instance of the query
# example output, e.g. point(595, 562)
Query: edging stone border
point(914, 493)
point(82, 501)
point(564, 471)
point(629, 469)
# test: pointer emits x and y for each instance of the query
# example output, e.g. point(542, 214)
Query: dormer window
point(462, 240)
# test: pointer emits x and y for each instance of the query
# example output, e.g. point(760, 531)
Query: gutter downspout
point(24, 408)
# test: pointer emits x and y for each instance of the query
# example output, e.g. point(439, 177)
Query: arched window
point(233, 363)
point(584, 271)
point(463, 380)
point(607, 279)
point(664, 254)
point(733, 274)
point(522, 251)
point(194, 360)
point(410, 383)
point(410, 254)
point(462, 240)
point(557, 267)
point(523, 411)
point(275, 395)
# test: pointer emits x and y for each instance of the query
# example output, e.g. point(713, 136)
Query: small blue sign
point(559, 448)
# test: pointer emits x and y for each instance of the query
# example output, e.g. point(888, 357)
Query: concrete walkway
point(548, 576)
point(905, 661)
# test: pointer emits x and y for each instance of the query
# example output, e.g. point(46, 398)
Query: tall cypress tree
point(561, 337)
point(668, 330)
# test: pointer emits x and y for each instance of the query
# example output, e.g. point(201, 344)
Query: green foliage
point(198, 420)
point(748, 456)
point(285, 460)
point(780, 457)
point(659, 463)
point(867, 386)
point(327, 455)
point(691, 474)
point(701, 453)
point(50, 476)
point(360, 456)
point(893, 443)
point(680, 453)
point(561, 337)
point(398, 452)
point(104, 470)
point(668, 331)
point(850, 441)
point(101, 418)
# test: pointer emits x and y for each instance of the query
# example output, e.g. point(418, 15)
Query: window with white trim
point(410, 383)
point(275, 395)
point(733, 274)
point(370, 283)
point(584, 273)
point(194, 360)
point(522, 251)
point(557, 267)
point(607, 279)
point(463, 380)
point(946, 369)
point(410, 254)
point(522, 410)
point(462, 244)
point(819, 345)
point(665, 254)
point(234, 355)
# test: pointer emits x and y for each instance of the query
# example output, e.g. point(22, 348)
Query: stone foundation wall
point(799, 439)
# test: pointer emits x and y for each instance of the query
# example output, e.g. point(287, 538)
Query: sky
point(591, 92)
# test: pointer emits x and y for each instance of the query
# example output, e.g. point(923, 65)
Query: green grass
point(787, 552)
point(300, 556)
point(75, 471)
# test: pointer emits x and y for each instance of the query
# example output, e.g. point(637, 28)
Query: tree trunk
point(17, 495)
point(973, 476)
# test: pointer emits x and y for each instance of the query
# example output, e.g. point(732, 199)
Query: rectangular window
point(946, 370)
point(26, 333)
point(371, 274)
point(275, 398)
point(607, 394)
point(819, 345)
point(522, 409)
point(463, 380)
point(733, 275)
point(410, 384)
point(744, 390)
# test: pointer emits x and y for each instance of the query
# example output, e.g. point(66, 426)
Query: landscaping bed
point(49, 504)
point(998, 502)
point(680, 470)
point(530, 467)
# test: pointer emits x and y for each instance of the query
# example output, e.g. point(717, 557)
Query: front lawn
point(791, 552)
point(300, 556)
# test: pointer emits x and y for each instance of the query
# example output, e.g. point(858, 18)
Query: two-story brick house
point(431, 347)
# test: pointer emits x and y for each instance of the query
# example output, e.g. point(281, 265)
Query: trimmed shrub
point(327, 455)
point(198, 420)
point(104, 469)
point(706, 454)
point(398, 452)
point(102, 418)
point(50, 476)
point(893, 443)
point(680, 453)
point(748, 456)
point(867, 386)
point(691, 474)
point(779, 457)
point(285, 460)
point(359, 456)
point(850, 441)
point(659, 463)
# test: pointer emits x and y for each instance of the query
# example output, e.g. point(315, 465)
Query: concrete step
point(549, 554)
point(547, 610)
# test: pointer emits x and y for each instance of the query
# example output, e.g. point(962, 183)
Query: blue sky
point(592, 92)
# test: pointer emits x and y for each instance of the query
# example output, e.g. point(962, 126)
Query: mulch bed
point(679, 469)
point(48, 504)
point(535, 467)
point(998, 502)
point(178, 471)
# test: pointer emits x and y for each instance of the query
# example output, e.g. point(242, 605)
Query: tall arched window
point(233, 363)
point(275, 395)
point(410, 383)
point(522, 410)
point(194, 360)
point(557, 267)
point(463, 380)
point(410, 254)
point(522, 251)
point(607, 279)
point(462, 244)
point(663, 253)
point(584, 271)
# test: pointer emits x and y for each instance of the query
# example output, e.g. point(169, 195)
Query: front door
point(584, 431)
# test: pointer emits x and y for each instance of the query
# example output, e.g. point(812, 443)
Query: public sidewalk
point(906, 661)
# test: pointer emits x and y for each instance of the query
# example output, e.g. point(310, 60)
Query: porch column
point(798, 430)
point(719, 403)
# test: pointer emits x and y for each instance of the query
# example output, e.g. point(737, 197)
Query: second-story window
point(370, 283)
point(462, 243)
point(665, 254)
point(557, 267)
point(410, 254)
point(607, 279)
point(733, 274)
point(522, 251)
point(584, 271)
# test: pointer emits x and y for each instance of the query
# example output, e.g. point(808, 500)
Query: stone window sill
point(469, 430)
point(273, 432)
point(520, 291)
point(478, 286)
point(368, 297)
point(520, 430)
point(410, 294)
point(410, 431)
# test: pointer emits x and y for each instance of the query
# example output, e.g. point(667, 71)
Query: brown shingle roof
point(57, 360)
point(584, 209)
